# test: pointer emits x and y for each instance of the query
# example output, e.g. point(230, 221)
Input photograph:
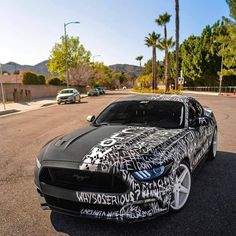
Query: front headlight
point(38, 164)
point(150, 174)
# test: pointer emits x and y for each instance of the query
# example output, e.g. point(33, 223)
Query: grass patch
point(157, 91)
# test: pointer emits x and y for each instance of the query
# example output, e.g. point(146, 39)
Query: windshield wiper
point(104, 123)
point(100, 124)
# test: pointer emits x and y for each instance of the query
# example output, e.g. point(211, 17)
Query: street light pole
point(96, 56)
point(67, 75)
point(15, 73)
point(3, 96)
point(221, 70)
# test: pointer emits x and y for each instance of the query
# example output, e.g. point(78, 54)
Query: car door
point(76, 94)
point(199, 133)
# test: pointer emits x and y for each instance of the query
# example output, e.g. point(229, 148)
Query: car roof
point(155, 97)
point(68, 89)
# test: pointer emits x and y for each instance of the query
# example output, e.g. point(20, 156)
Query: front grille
point(77, 206)
point(63, 98)
point(80, 180)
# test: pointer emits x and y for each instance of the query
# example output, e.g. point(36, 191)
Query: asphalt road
point(211, 209)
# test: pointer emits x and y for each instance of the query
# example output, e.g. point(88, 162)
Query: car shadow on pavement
point(70, 104)
point(211, 208)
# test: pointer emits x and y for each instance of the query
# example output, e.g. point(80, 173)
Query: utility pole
point(66, 46)
point(221, 69)
point(2, 90)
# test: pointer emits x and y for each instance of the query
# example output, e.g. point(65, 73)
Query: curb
point(6, 112)
point(201, 93)
point(14, 111)
point(48, 104)
point(210, 93)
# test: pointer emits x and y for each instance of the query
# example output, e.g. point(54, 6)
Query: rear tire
point(182, 188)
point(213, 147)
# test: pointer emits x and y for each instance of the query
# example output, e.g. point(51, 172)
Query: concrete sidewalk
point(26, 106)
point(35, 104)
point(210, 93)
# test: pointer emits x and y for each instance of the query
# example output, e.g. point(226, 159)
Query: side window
point(195, 110)
point(191, 113)
point(198, 108)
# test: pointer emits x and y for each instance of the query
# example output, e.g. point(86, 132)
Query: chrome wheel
point(181, 188)
point(214, 143)
point(213, 147)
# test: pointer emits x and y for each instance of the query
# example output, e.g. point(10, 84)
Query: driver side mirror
point(90, 118)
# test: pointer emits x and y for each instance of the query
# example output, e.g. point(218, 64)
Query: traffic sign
point(181, 80)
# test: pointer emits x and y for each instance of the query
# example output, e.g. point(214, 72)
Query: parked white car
point(70, 95)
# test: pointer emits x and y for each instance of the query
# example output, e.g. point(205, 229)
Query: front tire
point(213, 147)
point(182, 187)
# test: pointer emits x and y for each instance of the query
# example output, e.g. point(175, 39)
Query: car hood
point(111, 146)
point(64, 95)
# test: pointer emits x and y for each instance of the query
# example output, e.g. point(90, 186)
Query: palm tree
point(139, 58)
point(162, 21)
point(152, 41)
point(177, 42)
point(165, 45)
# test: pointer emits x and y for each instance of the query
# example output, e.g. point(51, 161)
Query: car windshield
point(163, 114)
point(67, 91)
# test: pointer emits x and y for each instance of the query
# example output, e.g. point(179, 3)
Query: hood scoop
point(67, 140)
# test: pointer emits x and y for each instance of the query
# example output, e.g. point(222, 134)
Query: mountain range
point(41, 68)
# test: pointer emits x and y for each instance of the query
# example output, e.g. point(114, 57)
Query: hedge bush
point(32, 78)
point(41, 79)
point(54, 81)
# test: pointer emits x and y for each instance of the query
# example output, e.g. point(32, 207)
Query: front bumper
point(69, 99)
point(139, 202)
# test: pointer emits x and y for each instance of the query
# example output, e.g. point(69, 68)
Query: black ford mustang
point(134, 162)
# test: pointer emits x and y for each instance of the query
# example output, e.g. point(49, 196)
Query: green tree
point(139, 58)
point(162, 21)
point(144, 81)
point(147, 69)
point(191, 59)
point(172, 58)
point(232, 8)
point(165, 45)
point(76, 54)
point(16, 72)
point(152, 41)
point(102, 75)
point(41, 79)
point(30, 78)
point(200, 59)
point(119, 79)
point(226, 40)
point(54, 81)
point(115, 80)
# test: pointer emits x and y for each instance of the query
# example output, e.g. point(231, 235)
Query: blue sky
point(115, 29)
